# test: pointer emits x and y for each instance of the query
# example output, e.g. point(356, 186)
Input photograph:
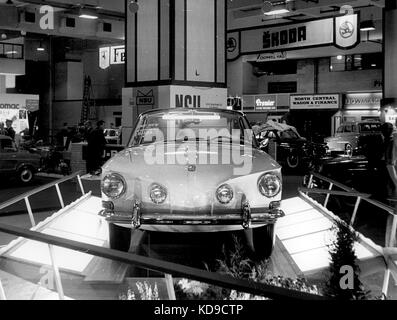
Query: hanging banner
point(341, 32)
point(104, 58)
point(346, 31)
point(318, 101)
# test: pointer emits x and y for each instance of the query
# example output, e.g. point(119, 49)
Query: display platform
point(301, 249)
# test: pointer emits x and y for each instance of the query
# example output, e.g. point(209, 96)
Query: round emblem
point(346, 29)
point(231, 44)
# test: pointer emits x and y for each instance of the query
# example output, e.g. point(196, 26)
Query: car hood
point(181, 180)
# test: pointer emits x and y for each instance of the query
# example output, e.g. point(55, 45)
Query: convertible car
point(192, 170)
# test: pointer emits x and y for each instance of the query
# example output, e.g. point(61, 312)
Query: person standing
point(87, 129)
point(9, 129)
point(95, 148)
point(3, 131)
point(387, 159)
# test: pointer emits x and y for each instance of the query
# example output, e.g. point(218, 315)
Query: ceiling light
point(367, 25)
point(339, 57)
point(270, 9)
point(277, 11)
point(40, 47)
point(88, 16)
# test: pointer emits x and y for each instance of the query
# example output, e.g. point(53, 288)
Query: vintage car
point(349, 135)
point(292, 150)
point(192, 182)
point(21, 164)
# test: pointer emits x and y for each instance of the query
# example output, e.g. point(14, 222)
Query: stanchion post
point(58, 281)
point(81, 185)
point(353, 219)
point(2, 293)
point(60, 196)
point(30, 212)
point(170, 286)
point(331, 185)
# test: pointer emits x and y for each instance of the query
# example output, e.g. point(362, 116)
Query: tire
point(263, 241)
point(348, 150)
point(293, 161)
point(119, 237)
point(25, 175)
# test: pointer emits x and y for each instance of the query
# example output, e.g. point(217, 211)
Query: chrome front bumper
point(245, 217)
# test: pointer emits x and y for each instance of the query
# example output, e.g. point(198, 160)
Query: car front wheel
point(25, 175)
point(119, 237)
point(263, 241)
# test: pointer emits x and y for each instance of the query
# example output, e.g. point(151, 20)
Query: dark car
point(291, 149)
point(18, 163)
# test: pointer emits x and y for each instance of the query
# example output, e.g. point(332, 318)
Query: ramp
point(306, 232)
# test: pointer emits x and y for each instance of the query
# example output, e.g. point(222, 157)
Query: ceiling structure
point(241, 14)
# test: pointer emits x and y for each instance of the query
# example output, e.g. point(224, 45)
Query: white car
point(347, 137)
point(192, 196)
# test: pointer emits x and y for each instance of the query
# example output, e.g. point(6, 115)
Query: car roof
point(195, 109)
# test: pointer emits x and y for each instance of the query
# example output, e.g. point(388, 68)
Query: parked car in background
point(351, 136)
point(21, 164)
point(112, 136)
point(291, 149)
point(195, 195)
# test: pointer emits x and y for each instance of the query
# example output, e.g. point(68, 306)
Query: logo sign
point(117, 55)
point(104, 58)
point(266, 57)
point(341, 32)
point(266, 102)
point(145, 99)
point(319, 101)
point(15, 106)
point(363, 100)
point(195, 97)
point(111, 55)
point(232, 45)
point(346, 31)
point(32, 105)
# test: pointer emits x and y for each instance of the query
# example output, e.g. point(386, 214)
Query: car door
point(8, 155)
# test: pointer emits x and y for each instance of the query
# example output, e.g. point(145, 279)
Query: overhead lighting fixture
point(339, 57)
point(85, 14)
point(270, 9)
point(88, 16)
point(40, 47)
point(367, 25)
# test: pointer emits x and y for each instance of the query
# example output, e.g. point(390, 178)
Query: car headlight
point(113, 185)
point(224, 194)
point(269, 185)
point(158, 193)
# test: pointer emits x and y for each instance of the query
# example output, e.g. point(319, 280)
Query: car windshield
point(370, 127)
point(191, 125)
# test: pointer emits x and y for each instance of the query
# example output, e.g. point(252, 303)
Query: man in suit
point(95, 148)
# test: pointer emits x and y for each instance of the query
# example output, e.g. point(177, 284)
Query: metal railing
point(25, 197)
point(389, 252)
point(168, 268)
